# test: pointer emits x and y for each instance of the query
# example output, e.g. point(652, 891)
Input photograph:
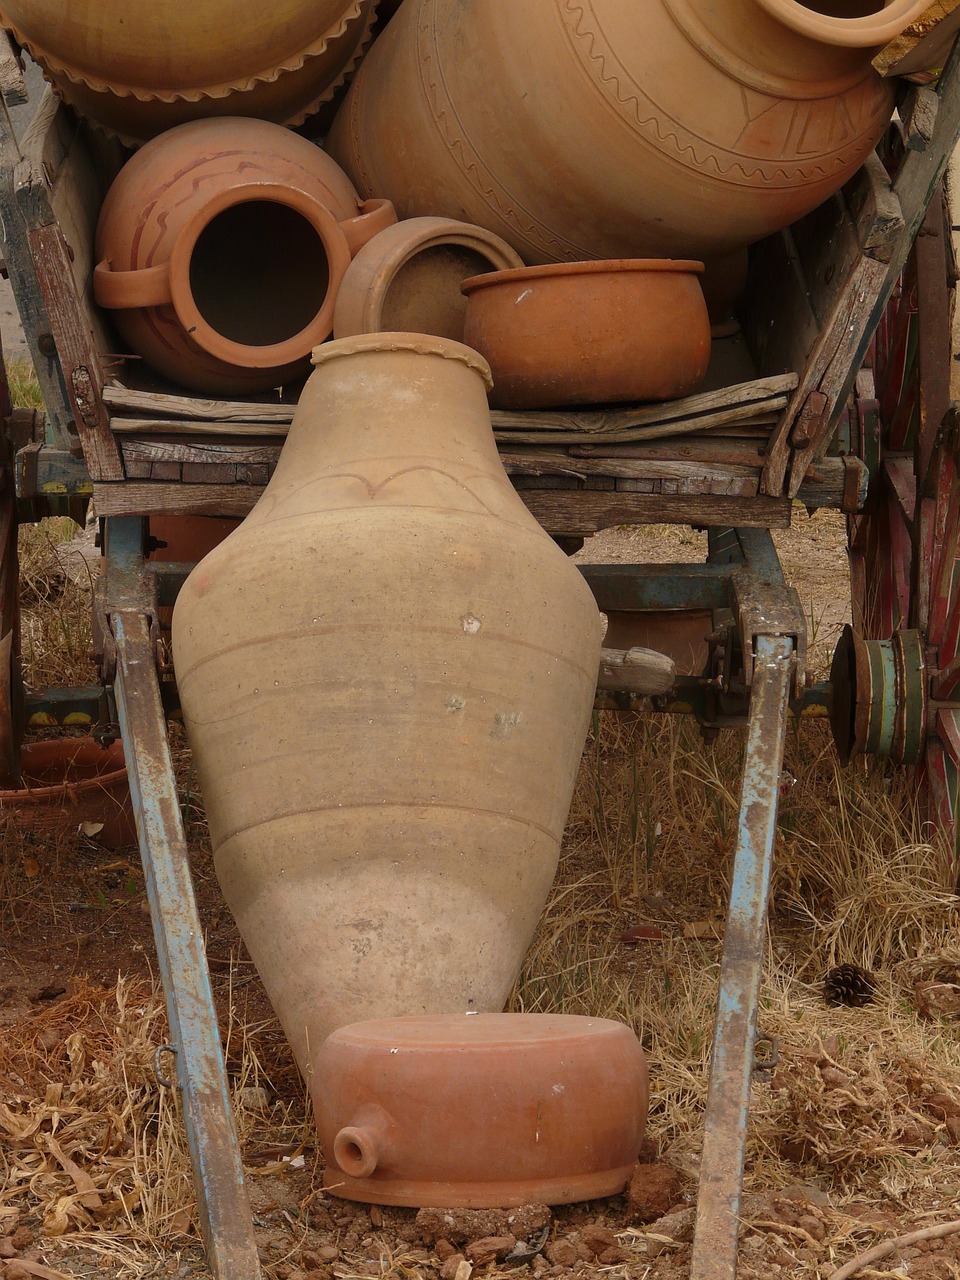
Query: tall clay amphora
point(138, 67)
point(386, 676)
point(615, 129)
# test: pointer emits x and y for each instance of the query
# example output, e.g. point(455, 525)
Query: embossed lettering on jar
point(664, 129)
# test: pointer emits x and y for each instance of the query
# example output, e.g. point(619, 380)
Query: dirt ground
point(78, 968)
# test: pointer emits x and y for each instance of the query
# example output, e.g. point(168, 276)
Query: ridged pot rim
point(293, 63)
point(855, 33)
point(298, 345)
point(423, 344)
point(610, 266)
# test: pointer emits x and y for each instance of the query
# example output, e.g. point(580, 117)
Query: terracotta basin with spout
point(480, 1110)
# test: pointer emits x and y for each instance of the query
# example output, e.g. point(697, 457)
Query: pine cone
point(850, 985)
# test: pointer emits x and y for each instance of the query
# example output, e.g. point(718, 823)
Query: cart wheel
point(897, 674)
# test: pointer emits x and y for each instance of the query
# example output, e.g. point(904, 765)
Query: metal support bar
point(225, 1217)
point(734, 1041)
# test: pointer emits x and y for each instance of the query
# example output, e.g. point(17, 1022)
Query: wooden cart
point(834, 392)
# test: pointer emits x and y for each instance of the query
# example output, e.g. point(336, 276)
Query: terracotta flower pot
point(138, 68)
point(220, 249)
point(494, 1110)
point(407, 279)
point(590, 332)
point(387, 674)
point(610, 130)
point(67, 781)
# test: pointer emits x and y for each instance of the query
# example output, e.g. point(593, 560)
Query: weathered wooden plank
point(637, 670)
point(733, 418)
point(11, 77)
point(77, 350)
point(925, 44)
point(562, 513)
point(216, 451)
point(197, 427)
point(574, 514)
point(156, 405)
point(834, 363)
point(874, 208)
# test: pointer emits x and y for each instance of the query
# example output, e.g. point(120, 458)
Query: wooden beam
point(926, 43)
point(571, 512)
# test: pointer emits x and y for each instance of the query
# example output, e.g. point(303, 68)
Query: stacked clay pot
point(387, 674)
point(138, 68)
point(614, 130)
point(220, 251)
point(408, 278)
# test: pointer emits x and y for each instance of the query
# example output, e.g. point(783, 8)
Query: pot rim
point(424, 344)
point(613, 266)
point(856, 33)
point(277, 354)
point(374, 270)
point(68, 750)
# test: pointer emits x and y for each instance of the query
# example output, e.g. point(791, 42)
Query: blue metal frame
point(128, 607)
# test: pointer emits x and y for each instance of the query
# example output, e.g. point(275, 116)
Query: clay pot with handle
point(138, 68)
point(220, 250)
point(387, 674)
point(575, 130)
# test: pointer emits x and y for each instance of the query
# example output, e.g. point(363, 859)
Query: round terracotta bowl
point(66, 781)
point(407, 278)
point(590, 332)
point(480, 1110)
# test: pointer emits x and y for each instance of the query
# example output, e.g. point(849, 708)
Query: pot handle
point(123, 290)
point(375, 216)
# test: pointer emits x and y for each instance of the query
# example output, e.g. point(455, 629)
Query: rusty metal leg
point(225, 1216)
point(732, 1067)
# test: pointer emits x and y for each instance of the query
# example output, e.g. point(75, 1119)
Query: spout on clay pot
point(360, 1148)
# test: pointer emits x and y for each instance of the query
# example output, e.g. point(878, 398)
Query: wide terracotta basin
point(69, 781)
point(590, 332)
point(480, 1110)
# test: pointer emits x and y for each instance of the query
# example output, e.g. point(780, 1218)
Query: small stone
point(561, 1253)
point(812, 1226)
point(328, 1253)
point(444, 1249)
point(613, 1256)
point(653, 1189)
point(489, 1247)
point(50, 1037)
point(952, 1126)
point(598, 1238)
point(451, 1266)
point(677, 1225)
point(22, 1239)
point(7, 1250)
point(253, 1099)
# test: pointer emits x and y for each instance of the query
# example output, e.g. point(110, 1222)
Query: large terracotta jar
point(387, 674)
point(220, 250)
point(604, 129)
point(138, 68)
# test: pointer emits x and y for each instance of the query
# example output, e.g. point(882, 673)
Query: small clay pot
point(480, 1110)
point(590, 332)
point(220, 250)
point(407, 279)
point(66, 781)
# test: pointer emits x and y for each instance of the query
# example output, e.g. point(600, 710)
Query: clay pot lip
point(475, 1032)
point(276, 354)
point(612, 266)
point(373, 271)
point(69, 751)
point(419, 343)
point(855, 33)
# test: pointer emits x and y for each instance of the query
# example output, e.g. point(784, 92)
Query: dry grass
point(859, 1109)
